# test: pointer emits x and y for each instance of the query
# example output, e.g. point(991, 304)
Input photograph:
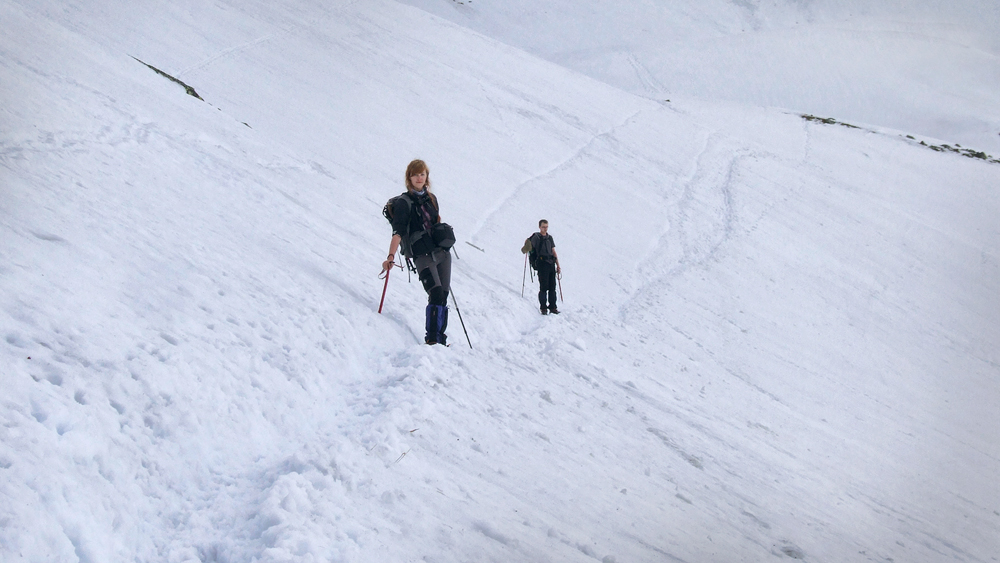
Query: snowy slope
point(779, 337)
point(925, 67)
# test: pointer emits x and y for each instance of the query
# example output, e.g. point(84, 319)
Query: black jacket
point(408, 221)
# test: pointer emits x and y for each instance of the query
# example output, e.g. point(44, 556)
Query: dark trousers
point(434, 271)
point(546, 284)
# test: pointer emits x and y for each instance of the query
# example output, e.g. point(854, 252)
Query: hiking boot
point(553, 310)
point(545, 311)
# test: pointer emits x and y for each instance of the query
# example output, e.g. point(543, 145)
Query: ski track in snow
point(519, 188)
point(340, 7)
point(701, 220)
point(236, 49)
point(650, 85)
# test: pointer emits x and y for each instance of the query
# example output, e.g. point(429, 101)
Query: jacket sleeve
point(400, 217)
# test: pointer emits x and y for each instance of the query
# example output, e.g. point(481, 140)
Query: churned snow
point(779, 338)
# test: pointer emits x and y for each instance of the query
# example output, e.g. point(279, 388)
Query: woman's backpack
point(442, 235)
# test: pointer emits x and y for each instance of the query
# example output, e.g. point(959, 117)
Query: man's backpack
point(540, 249)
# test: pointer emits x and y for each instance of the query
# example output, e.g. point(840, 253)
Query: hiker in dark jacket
point(414, 218)
point(545, 260)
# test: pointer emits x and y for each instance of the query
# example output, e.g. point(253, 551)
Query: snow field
point(778, 337)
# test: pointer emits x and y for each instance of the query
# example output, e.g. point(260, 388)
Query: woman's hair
point(416, 167)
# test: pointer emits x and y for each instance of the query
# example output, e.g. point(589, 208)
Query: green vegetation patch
point(964, 152)
point(969, 153)
point(187, 88)
point(828, 121)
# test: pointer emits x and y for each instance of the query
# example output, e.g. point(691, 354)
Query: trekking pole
point(524, 275)
point(559, 279)
point(459, 311)
point(384, 287)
